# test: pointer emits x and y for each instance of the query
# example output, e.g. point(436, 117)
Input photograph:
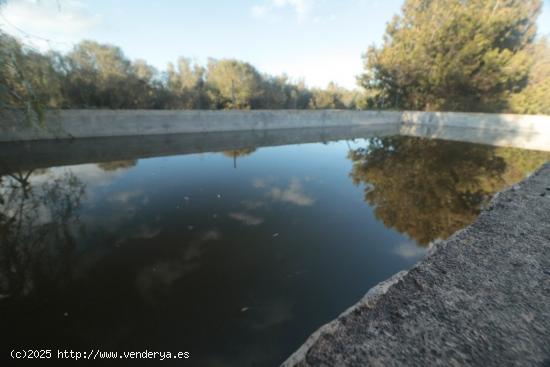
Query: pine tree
point(461, 55)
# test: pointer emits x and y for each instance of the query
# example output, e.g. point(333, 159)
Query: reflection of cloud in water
point(245, 218)
point(90, 174)
point(212, 234)
point(143, 232)
point(410, 250)
point(293, 194)
point(124, 196)
point(270, 314)
point(158, 278)
point(259, 183)
point(252, 204)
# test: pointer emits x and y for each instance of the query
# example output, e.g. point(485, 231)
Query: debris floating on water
point(275, 234)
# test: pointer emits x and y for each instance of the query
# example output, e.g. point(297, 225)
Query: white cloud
point(246, 218)
point(259, 183)
point(252, 204)
point(90, 174)
point(320, 71)
point(259, 11)
point(60, 21)
point(410, 250)
point(293, 194)
point(124, 197)
point(161, 275)
point(301, 8)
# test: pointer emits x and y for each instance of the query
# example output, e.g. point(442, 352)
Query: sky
point(315, 40)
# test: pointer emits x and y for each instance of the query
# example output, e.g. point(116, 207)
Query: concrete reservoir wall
point(506, 129)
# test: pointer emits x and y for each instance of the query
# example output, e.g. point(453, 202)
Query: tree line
point(450, 55)
point(461, 55)
point(94, 75)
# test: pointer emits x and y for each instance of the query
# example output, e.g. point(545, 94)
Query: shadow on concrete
point(21, 156)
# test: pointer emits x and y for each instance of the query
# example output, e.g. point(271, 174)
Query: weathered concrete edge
point(378, 292)
point(369, 300)
point(66, 124)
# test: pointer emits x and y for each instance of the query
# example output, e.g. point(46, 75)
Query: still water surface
point(235, 257)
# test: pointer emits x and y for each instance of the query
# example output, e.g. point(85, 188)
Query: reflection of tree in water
point(37, 221)
point(236, 153)
point(429, 189)
point(115, 165)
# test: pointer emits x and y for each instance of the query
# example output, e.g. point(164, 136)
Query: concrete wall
point(103, 123)
point(527, 131)
point(536, 124)
point(521, 131)
point(501, 138)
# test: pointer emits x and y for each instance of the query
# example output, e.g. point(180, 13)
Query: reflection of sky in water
point(236, 265)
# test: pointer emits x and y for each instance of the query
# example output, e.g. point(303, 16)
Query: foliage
point(233, 84)
point(38, 222)
point(334, 97)
point(453, 55)
point(429, 189)
point(16, 92)
point(457, 55)
point(535, 98)
point(186, 83)
point(94, 75)
point(116, 165)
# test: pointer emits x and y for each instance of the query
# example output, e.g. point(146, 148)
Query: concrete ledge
point(534, 124)
point(65, 124)
point(502, 138)
point(102, 123)
point(480, 298)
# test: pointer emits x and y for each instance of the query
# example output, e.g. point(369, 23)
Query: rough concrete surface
point(69, 124)
point(481, 298)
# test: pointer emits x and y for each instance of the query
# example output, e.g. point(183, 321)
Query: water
point(234, 256)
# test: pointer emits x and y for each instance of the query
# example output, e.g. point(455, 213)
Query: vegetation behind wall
point(452, 55)
point(456, 55)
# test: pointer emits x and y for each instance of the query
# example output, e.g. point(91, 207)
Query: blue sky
point(317, 40)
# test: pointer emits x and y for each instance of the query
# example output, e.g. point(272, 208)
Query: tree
point(428, 189)
point(333, 97)
point(236, 153)
point(233, 84)
point(38, 222)
point(27, 80)
point(535, 98)
point(116, 165)
point(453, 55)
point(144, 85)
point(186, 83)
point(94, 75)
point(98, 75)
